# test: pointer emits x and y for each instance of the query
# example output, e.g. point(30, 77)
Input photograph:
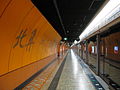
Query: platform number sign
point(116, 49)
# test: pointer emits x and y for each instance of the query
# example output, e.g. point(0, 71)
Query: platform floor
point(66, 74)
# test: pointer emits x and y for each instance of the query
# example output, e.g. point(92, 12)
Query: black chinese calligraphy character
point(30, 42)
point(32, 38)
point(20, 38)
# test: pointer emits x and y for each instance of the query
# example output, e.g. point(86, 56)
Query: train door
point(109, 61)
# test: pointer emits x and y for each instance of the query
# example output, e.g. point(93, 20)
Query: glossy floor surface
point(65, 74)
point(73, 76)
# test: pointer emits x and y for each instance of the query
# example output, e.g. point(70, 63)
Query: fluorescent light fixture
point(109, 10)
point(65, 39)
point(75, 42)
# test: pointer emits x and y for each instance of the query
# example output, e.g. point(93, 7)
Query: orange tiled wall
point(108, 46)
point(25, 35)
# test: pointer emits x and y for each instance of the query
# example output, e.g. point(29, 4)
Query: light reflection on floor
point(73, 77)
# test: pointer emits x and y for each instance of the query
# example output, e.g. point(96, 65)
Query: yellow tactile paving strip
point(39, 83)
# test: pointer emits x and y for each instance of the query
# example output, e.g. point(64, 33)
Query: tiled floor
point(42, 81)
point(72, 76)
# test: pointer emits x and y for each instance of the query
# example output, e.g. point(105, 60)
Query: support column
point(87, 51)
point(98, 55)
point(79, 49)
point(82, 50)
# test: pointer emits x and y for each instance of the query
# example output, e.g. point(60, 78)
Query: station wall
point(109, 44)
point(27, 41)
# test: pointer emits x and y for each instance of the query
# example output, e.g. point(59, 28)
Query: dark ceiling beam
point(91, 5)
point(55, 3)
point(68, 17)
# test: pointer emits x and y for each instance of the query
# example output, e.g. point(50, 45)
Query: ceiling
point(69, 17)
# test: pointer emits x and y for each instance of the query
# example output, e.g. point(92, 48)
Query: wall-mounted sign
point(116, 49)
point(93, 49)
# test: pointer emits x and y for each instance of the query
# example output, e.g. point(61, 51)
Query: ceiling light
point(65, 39)
point(109, 10)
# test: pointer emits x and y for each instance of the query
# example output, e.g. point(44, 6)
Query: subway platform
point(59, 44)
point(66, 73)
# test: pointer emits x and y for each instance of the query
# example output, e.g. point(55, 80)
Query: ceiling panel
point(70, 17)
